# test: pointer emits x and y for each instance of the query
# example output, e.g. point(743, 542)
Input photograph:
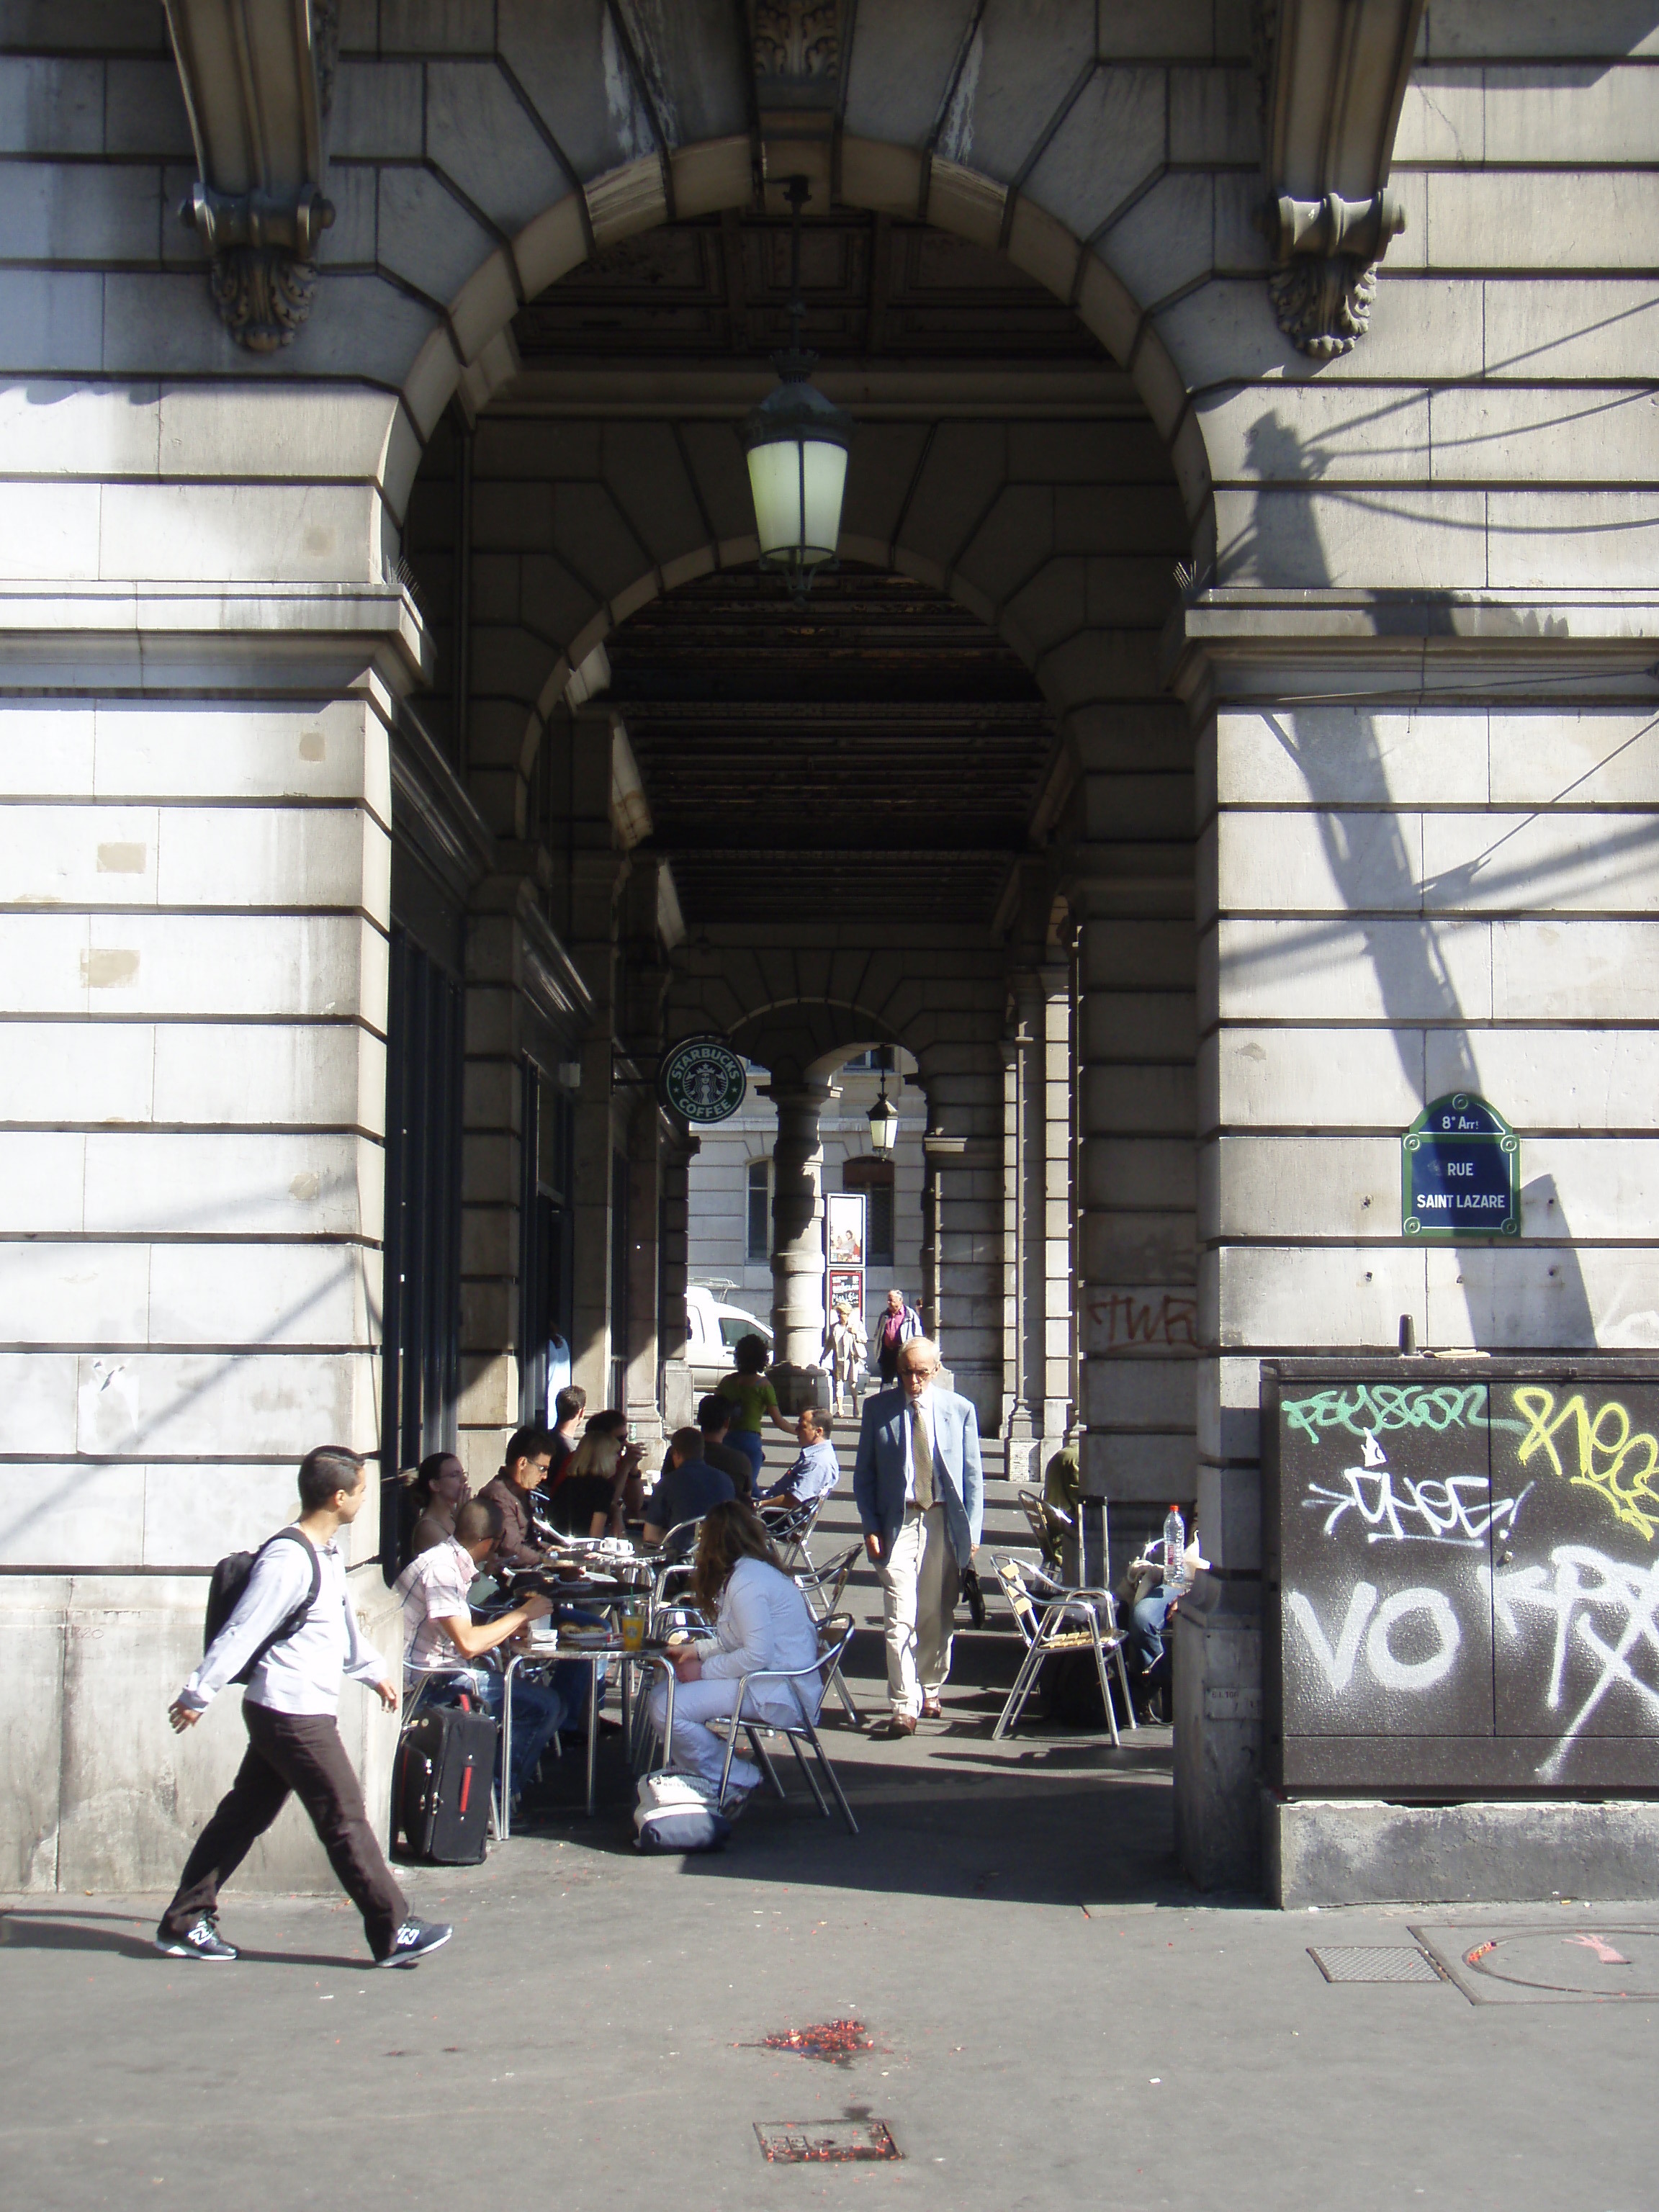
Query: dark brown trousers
point(300, 1754)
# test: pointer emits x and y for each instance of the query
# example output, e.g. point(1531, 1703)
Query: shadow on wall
point(1405, 945)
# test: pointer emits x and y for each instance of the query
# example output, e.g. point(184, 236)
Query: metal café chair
point(790, 1527)
point(1048, 1523)
point(835, 1635)
point(1047, 1614)
point(676, 1558)
point(823, 1588)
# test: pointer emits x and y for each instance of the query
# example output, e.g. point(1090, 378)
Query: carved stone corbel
point(1334, 76)
point(1326, 285)
point(796, 54)
point(249, 71)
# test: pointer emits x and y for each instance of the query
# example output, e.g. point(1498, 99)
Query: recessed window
point(875, 1179)
point(758, 1241)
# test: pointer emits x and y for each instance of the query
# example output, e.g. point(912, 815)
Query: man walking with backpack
point(289, 1636)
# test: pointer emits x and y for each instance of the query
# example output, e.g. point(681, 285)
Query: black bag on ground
point(446, 1769)
point(230, 1579)
point(1070, 1689)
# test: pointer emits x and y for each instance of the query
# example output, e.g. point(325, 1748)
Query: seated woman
point(753, 1401)
point(761, 1624)
point(437, 1491)
point(590, 1495)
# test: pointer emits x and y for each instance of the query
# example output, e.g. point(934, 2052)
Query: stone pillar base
point(1217, 1733)
point(1022, 1449)
point(1362, 1852)
point(798, 1387)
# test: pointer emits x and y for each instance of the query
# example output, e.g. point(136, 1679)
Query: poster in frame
point(844, 1228)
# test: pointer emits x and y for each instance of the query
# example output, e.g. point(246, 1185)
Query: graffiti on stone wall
point(1482, 1566)
point(1127, 1320)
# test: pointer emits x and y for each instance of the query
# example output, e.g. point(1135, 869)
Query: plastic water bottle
point(1174, 1550)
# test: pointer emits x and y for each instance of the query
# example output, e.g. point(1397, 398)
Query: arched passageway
point(865, 819)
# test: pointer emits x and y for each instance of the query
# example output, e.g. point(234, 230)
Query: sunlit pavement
point(1052, 2019)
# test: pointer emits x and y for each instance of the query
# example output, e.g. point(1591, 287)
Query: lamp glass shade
point(797, 484)
point(883, 1125)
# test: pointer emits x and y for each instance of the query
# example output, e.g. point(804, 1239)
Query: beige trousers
point(919, 1581)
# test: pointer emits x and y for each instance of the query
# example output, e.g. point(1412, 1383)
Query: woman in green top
point(754, 1399)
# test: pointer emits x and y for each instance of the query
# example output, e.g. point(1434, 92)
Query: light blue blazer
point(878, 1470)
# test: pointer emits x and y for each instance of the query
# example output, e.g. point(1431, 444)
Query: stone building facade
point(731, 1177)
point(1274, 387)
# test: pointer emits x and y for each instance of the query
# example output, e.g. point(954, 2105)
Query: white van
point(713, 1332)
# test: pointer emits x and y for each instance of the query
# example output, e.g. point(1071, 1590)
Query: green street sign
point(1460, 1172)
point(702, 1080)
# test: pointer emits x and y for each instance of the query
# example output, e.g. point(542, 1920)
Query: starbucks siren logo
point(702, 1080)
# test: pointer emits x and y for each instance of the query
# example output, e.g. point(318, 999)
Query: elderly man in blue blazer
point(920, 1496)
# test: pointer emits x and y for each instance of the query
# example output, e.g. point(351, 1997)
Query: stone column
point(589, 879)
point(492, 1185)
point(643, 1285)
point(1037, 1219)
point(797, 1220)
point(679, 1403)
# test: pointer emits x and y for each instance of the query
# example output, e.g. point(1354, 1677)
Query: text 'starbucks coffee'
point(702, 1080)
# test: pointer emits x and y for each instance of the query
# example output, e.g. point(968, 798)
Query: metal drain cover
point(1608, 1962)
point(824, 2142)
point(1375, 1962)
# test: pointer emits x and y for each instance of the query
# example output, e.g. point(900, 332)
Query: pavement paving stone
point(1053, 2018)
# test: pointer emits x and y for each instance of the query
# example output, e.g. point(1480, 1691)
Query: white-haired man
point(920, 1496)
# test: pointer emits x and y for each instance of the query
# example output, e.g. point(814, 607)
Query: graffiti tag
point(1377, 1407)
point(1124, 1319)
point(1457, 1510)
point(1377, 1623)
point(1612, 1459)
point(1583, 1592)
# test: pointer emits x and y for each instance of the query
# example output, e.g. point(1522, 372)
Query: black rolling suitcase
point(445, 1767)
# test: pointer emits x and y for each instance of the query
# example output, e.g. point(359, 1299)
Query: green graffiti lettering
point(1376, 1408)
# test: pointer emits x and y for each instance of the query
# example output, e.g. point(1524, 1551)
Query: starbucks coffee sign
point(702, 1080)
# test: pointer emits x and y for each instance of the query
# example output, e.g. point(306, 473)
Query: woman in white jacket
point(762, 1622)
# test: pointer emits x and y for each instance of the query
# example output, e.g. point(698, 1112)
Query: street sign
point(702, 1080)
point(1460, 1172)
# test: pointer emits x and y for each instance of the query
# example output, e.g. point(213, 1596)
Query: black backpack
point(230, 1579)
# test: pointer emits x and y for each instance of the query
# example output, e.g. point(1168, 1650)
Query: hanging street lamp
point(797, 441)
point(884, 1124)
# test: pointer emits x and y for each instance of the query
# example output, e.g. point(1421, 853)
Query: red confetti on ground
point(835, 2039)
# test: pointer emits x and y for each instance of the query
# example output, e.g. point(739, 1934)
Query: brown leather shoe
point(932, 1710)
point(895, 1725)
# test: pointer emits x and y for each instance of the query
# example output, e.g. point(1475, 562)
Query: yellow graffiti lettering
point(1611, 1460)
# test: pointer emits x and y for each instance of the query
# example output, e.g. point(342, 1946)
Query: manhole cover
point(1375, 1962)
point(1622, 1962)
point(822, 2143)
point(1557, 1964)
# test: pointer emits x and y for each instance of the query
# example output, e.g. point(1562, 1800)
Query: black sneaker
point(413, 1941)
point(202, 1941)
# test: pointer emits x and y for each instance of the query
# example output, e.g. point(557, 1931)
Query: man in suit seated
point(920, 1489)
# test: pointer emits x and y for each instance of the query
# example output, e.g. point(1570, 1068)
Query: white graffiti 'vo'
point(1411, 1675)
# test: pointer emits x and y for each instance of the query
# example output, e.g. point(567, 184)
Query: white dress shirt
point(431, 1589)
point(303, 1674)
